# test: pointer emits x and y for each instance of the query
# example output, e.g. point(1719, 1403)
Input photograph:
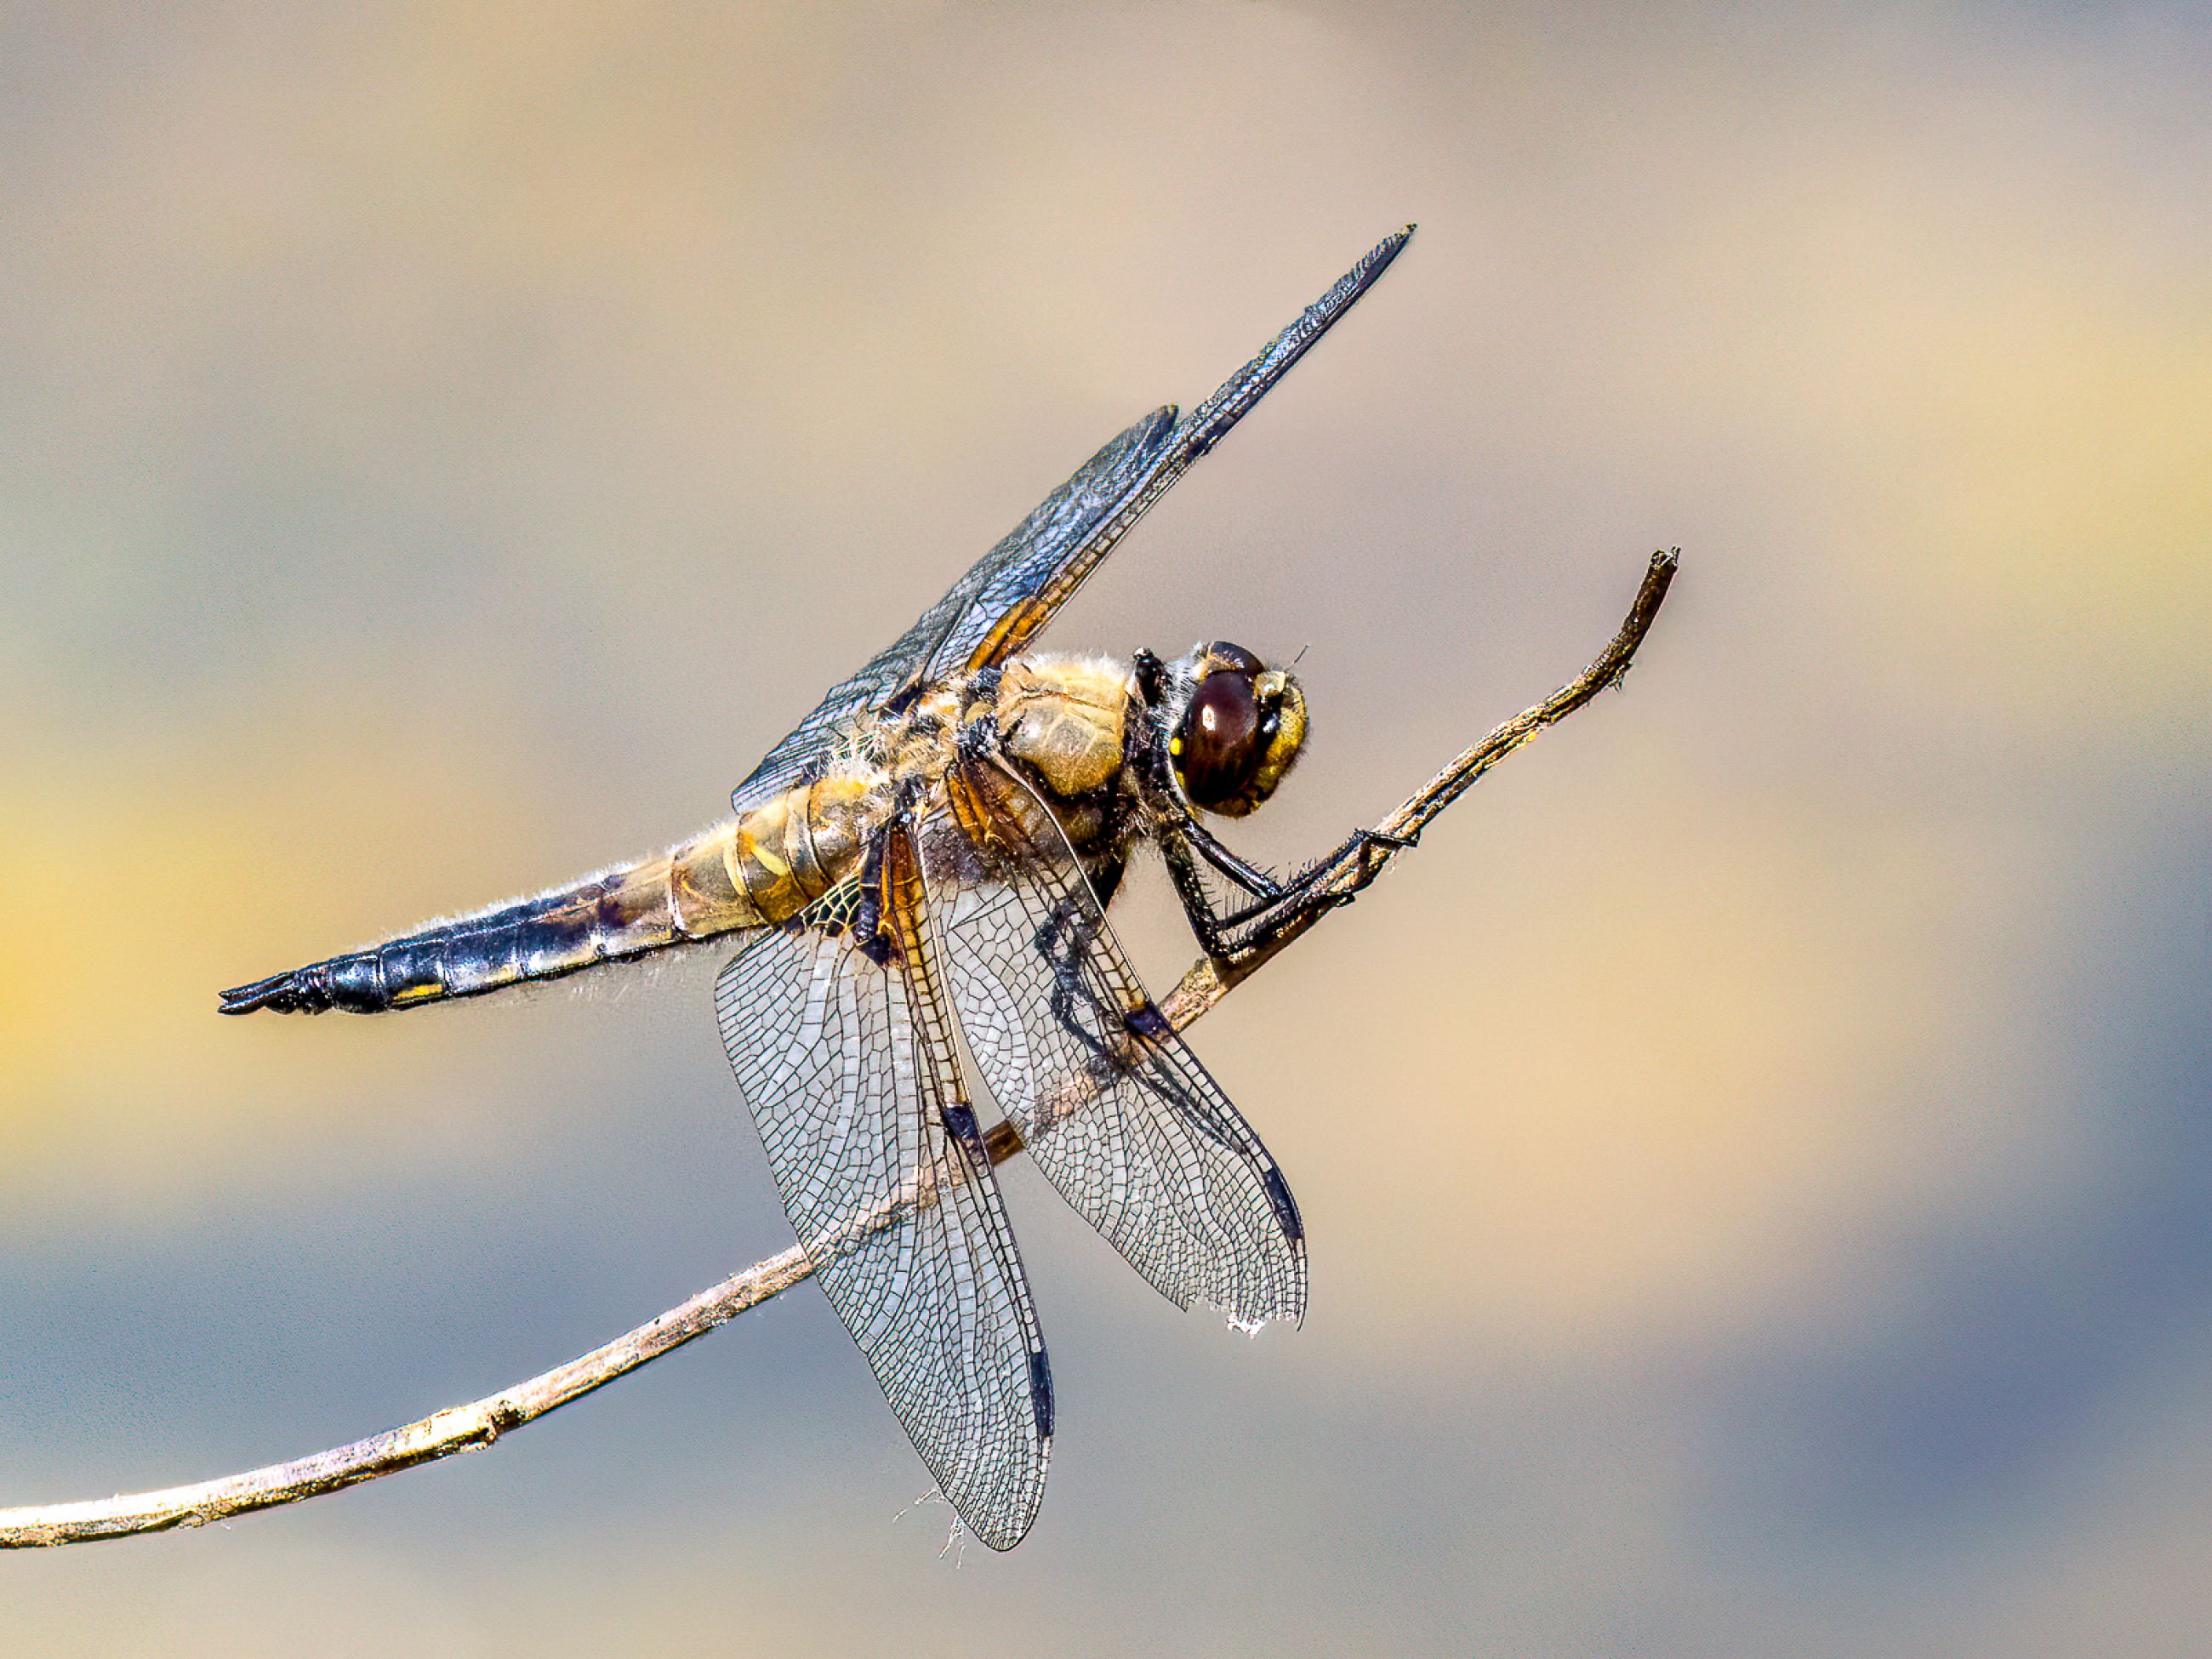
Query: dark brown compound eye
point(1221, 744)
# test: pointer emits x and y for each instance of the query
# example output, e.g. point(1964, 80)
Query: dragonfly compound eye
point(1241, 731)
point(1221, 745)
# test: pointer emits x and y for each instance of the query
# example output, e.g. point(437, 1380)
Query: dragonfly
point(926, 860)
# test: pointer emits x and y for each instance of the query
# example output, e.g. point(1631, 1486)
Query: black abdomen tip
point(280, 994)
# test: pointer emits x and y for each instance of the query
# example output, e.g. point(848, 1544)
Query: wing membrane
point(1037, 578)
point(1010, 594)
point(1115, 1110)
point(853, 1079)
point(1062, 519)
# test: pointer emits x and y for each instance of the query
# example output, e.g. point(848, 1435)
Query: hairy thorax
point(1063, 718)
point(1066, 718)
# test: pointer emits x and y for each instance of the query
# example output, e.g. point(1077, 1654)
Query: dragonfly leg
point(1225, 933)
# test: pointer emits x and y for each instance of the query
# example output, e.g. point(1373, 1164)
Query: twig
point(470, 1427)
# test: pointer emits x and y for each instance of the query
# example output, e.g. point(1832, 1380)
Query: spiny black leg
point(1190, 888)
point(1265, 888)
point(1063, 941)
point(1276, 905)
point(1304, 892)
point(1253, 879)
point(1362, 844)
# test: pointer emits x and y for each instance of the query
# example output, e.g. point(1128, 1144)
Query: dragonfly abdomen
point(752, 870)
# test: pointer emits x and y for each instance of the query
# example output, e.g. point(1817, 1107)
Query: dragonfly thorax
point(1067, 719)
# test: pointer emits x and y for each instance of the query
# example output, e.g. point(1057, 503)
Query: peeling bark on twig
point(480, 1423)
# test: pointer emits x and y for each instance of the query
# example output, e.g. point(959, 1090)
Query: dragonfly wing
point(1010, 594)
point(1113, 1107)
point(1035, 570)
point(1103, 479)
point(850, 1069)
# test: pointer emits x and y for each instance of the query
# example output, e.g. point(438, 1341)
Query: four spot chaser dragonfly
point(936, 845)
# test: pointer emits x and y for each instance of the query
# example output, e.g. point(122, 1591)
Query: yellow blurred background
point(1756, 1152)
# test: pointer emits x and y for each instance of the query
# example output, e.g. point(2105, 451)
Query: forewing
point(1113, 1107)
point(995, 582)
point(1043, 563)
point(853, 1077)
point(1016, 588)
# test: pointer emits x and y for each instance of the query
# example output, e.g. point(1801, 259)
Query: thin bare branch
point(480, 1423)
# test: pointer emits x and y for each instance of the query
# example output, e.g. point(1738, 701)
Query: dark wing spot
point(1041, 1390)
point(1286, 1211)
point(1148, 1021)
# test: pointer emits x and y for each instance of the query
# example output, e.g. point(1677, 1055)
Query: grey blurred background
point(1756, 1152)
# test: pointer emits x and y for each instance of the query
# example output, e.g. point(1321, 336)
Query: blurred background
point(1756, 1152)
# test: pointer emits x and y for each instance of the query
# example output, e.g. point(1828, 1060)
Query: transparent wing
point(853, 1079)
point(1113, 1107)
point(1039, 570)
point(1016, 588)
point(1059, 521)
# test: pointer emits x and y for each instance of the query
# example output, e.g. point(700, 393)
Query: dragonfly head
point(1235, 726)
